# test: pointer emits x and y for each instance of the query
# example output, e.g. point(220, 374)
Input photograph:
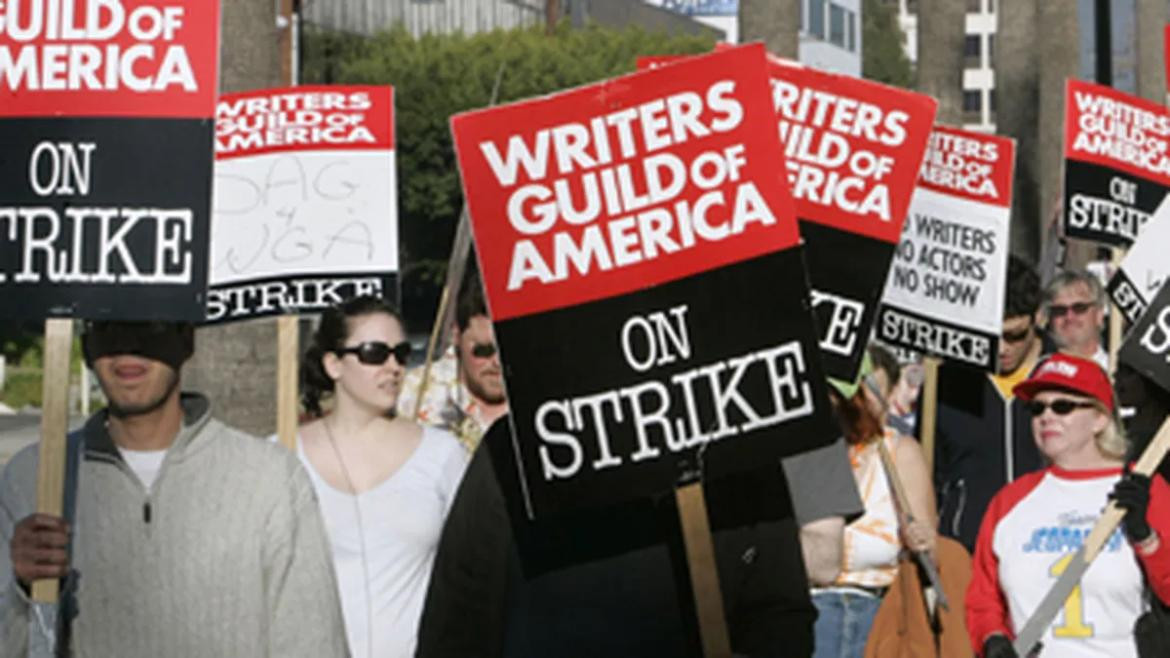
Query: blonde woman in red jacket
point(1034, 525)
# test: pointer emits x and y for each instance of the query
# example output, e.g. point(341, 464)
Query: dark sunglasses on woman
point(375, 352)
point(1062, 407)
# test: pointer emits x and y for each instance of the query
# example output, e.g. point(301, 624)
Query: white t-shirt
point(401, 519)
point(145, 464)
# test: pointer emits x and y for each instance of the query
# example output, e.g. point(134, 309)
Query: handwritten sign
point(305, 211)
point(643, 268)
point(945, 292)
point(105, 158)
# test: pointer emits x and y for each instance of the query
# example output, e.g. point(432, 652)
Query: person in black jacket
point(983, 435)
point(613, 581)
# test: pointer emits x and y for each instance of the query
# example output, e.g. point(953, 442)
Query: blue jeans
point(843, 621)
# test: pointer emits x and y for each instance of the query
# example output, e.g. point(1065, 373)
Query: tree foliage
point(436, 76)
point(883, 56)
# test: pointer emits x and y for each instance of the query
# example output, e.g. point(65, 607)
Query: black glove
point(1132, 494)
point(998, 646)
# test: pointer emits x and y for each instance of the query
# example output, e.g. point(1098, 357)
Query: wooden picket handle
point(929, 409)
point(700, 549)
point(1115, 317)
point(287, 344)
point(1146, 464)
point(54, 426)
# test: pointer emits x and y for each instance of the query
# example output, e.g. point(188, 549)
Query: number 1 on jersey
point(1074, 614)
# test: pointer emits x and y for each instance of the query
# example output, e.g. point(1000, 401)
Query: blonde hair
point(1111, 441)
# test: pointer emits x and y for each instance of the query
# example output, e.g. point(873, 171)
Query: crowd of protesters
point(385, 537)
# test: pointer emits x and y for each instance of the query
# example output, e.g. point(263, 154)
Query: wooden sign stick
point(929, 409)
point(700, 549)
point(1115, 318)
point(456, 265)
point(54, 425)
point(287, 346)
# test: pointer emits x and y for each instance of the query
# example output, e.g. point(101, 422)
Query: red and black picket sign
point(106, 154)
point(644, 272)
point(853, 149)
point(1117, 163)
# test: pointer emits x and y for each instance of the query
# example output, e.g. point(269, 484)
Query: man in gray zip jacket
point(191, 539)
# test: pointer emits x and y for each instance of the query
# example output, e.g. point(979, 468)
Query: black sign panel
point(720, 363)
point(848, 272)
point(104, 217)
point(1107, 205)
point(1147, 346)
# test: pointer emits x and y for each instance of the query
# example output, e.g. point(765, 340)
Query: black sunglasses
point(375, 352)
point(1062, 407)
point(1078, 308)
point(483, 350)
point(1016, 336)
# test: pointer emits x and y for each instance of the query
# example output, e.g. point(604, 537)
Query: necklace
point(357, 508)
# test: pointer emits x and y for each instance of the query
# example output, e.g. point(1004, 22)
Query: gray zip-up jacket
point(225, 556)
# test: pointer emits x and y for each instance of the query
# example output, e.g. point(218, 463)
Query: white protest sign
point(1145, 266)
point(304, 214)
point(945, 292)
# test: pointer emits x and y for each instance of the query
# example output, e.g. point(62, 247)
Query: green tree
point(883, 52)
point(436, 76)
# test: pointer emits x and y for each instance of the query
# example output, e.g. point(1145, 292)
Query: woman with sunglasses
point(872, 543)
point(1035, 524)
point(384, 483)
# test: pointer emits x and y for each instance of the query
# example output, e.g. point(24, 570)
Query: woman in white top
point(871, 544)
point(384, 483)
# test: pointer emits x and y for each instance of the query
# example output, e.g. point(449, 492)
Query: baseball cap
point(1069, 373)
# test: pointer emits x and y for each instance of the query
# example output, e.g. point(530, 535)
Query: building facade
point(830, 30)
point(978, 59)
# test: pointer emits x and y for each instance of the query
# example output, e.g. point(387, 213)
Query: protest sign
point(105, 154)
point(1144, 269)
point(643, 269)
point(1147, 346)
point(945, 292)
point(1117, 168)
point(305, 213)
point(853, 148)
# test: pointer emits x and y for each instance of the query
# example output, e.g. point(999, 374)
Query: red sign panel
point(304, 119)
point(107, 58)
point(1106, 127)
point(971, 165)
point(853, 147)
point(625, 184)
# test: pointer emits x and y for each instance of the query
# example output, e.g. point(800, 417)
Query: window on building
point(816, 18)
point(991, 102)
point(912, 7)
point(972, 106)
point(851, 31)
point(972, 51)
point(836, 25)
point(991, 50)
point(974, 6)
